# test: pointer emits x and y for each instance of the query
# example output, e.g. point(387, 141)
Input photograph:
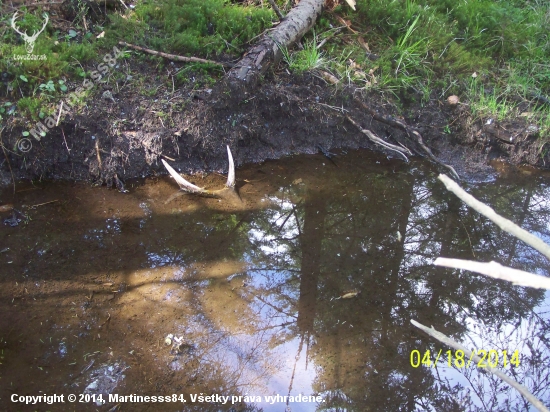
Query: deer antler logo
point(29, 40)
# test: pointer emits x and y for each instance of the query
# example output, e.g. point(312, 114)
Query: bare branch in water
point(497, 271)
point(501, 222)
point(468, 354)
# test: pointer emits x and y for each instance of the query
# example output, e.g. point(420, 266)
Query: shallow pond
point(305, 289)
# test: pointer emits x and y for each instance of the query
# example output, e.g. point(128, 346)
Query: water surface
point(123, 293)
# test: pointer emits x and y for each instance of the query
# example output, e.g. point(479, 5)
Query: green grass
point(309, 58)
point(191, 27)
point(203, 28)
point(430, 49)
point(425, 49)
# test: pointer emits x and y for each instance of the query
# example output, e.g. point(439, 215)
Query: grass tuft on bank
point(495, 55)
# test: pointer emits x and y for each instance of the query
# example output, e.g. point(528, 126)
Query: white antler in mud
point(190, 187)
point(29, 40)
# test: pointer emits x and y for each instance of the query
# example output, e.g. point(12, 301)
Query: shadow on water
point(306, 288)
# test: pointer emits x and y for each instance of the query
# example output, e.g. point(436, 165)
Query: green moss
point(198, 27)
point(30, 107)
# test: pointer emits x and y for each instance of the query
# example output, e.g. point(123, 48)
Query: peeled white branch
point(476, 359)
point(502, 222)
point(497, 271)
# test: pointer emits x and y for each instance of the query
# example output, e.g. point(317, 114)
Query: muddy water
point(306, 288)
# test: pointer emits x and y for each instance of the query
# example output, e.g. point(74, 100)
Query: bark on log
point(262, 55)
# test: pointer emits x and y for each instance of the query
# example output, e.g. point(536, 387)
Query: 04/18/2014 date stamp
point(480, 358)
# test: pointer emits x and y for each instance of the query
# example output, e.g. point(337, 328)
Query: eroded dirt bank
point(121, 132)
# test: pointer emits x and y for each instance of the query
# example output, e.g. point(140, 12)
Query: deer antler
point(231, 173)
point(182, 183)
point(190, 187)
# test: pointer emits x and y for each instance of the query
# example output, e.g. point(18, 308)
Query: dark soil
point(110, 140)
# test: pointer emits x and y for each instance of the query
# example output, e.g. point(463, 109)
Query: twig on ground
point(330, 36)
point(106, 320)
point(169, 158)
point(59, 114)
point(276, 9)
point(503, 223)
point(173, 56)
point(344, 23)
point(375, 139)
point(338, 109)
point(98, 155)
point(65, 140)
point(449, 342)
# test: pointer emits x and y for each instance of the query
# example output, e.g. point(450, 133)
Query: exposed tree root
point(376, 140)
point(412, 133)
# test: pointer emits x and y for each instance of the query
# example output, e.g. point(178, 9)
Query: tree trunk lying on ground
point(267, 51)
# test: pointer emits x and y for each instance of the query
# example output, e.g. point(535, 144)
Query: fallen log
point(267, 51)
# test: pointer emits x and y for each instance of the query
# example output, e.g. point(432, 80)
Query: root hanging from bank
point(413, 134)
point(376, 140)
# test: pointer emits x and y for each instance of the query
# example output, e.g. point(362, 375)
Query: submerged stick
point(497, 271)
point(505, 224)
point(468, 353)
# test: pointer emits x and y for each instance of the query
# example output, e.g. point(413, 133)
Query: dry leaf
point(328, 77)
point(363, 44)
point(346, 23)
point(353, 65)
